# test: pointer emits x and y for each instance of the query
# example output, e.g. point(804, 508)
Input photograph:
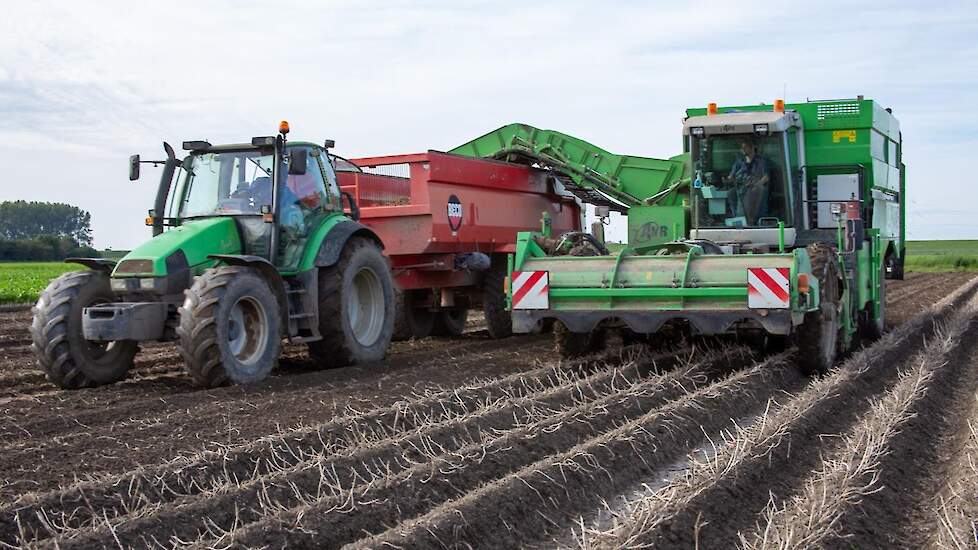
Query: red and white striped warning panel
point(531, 289)
point(767, 287)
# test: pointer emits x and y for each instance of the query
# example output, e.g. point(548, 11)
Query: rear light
point(506, 285)
point(803, 283)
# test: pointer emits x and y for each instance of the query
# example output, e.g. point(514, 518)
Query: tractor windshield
point(228, 183)
point(738, 181)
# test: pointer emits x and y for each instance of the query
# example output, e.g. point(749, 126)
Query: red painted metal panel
point(452, 204)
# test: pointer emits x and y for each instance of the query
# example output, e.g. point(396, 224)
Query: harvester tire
point(498, 320)
point(67, 359)
point(818, 337)
point(230, 327)
point(410, 321)
point(570, 345)
point(356, 307)
point(450, 322)
point(871, 329)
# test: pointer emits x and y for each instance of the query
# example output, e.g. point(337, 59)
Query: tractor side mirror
point(134, 168)
point(329, 144)
point(297, 162)
point(354, 209)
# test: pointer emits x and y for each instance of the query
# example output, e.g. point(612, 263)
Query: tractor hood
point(187, 245)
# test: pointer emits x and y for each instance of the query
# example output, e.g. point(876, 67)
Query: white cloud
point(86, 84)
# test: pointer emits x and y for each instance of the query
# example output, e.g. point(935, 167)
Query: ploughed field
point(479, 443)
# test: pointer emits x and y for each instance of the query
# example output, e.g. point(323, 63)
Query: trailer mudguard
point(334, 241)
point(267, 270)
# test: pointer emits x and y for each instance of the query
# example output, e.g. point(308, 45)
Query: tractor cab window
point(303, 203)
point(228, 183)
point(738, 181)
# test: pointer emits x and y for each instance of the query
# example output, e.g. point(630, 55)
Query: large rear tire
point(67, 359)
point(818, 337)
point(356, 307)
point(498, 320)
point(230, 327)
point(450, 322)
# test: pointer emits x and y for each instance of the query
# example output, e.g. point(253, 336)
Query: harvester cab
point(250, 244)
point(777, 222)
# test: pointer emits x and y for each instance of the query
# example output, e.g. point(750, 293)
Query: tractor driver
point(752, 175)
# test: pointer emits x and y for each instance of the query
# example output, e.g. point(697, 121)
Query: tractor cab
point(278, 193)
point(742, 164)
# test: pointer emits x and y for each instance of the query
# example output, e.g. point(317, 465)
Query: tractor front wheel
point(230, 327)
point(356, 307)
point(66, 357)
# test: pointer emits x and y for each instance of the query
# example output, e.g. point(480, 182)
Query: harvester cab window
point(738, 181)
point(219, 184)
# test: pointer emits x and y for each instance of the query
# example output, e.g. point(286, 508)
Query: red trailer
point(447, 223)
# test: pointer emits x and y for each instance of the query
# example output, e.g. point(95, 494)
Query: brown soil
point(414, 450)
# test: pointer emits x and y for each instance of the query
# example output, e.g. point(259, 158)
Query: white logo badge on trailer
point(531, 289)
point(767, 288)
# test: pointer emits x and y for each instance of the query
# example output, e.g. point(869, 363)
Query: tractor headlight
point(697, 131)
point(118, 285)
point(761, 129)
point(147, 284)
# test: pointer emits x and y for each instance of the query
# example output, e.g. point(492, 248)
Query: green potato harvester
point(777, 221)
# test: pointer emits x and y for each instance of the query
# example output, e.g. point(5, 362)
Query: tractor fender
point(335, 240)
point(267, 271)
point(95, 264)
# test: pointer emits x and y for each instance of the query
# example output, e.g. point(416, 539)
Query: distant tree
point(28, 220)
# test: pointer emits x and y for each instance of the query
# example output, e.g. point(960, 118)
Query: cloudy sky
point(85, 84)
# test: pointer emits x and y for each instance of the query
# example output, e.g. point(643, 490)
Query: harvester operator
point(751, 175)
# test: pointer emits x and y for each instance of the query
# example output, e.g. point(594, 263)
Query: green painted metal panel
point(196, 238)
point(316, 238)
point(650, 226)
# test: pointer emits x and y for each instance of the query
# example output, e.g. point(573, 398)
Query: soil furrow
point(545, 497)
point(719, 497)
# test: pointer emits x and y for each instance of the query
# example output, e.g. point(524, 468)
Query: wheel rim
point(247, 330)
point(366, 311)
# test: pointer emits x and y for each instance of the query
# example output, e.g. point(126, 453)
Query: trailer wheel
point(818, 336)
point(450, 322)
point(411, 321)
point(356, 307)
point(570, 345)
point(230, 330)
point(67, 359)
point(498, 320)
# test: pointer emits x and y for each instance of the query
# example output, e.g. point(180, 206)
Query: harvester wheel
point(411, 321)
point(450, 322)
point(569, 345)
point(871, 329)
point(356, 307)
point(498, 320)
point(818, 336)
point(230, 327)
point(64, 355)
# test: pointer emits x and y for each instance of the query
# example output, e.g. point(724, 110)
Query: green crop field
point(942, 256)
point(22, 282)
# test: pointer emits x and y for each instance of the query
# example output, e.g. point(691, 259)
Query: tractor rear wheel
point(67, 359)
point(230, 327)
point(818, 337)
point(450, 322)
point(411, 321)
point(356, 307)
point(498, 320)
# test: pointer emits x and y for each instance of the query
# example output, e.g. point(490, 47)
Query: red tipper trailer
point(447, 223)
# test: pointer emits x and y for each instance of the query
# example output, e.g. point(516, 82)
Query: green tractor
point(257, 247)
